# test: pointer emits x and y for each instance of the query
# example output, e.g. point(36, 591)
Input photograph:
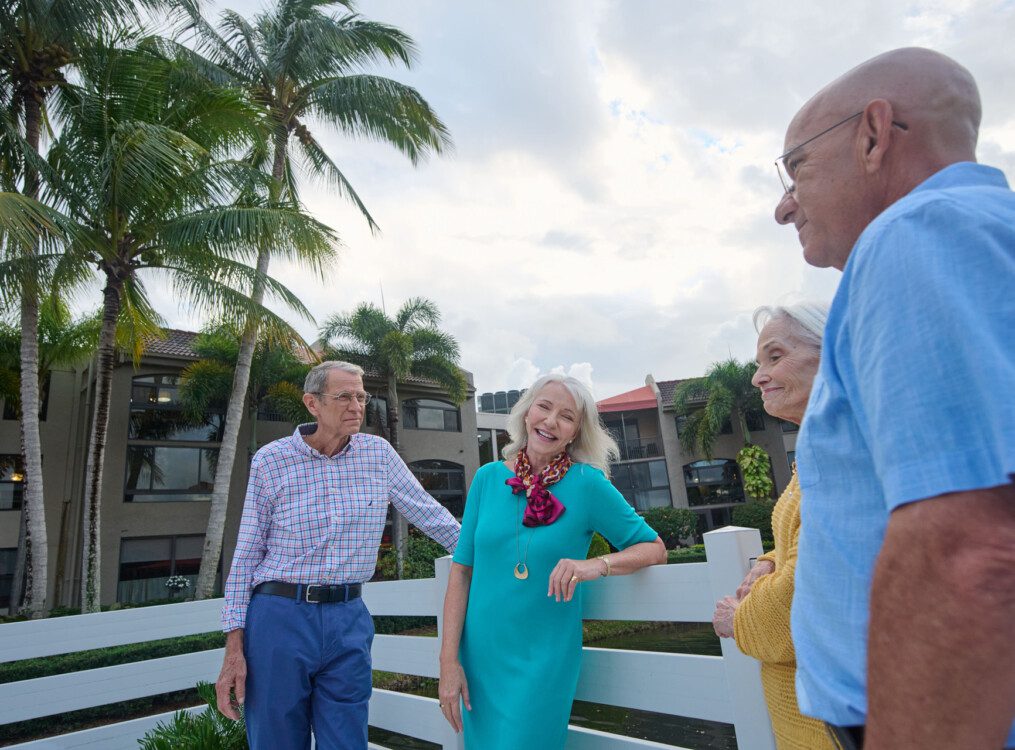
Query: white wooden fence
point(725, 689)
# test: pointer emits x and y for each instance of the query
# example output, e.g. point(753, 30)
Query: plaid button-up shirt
point(310, 518)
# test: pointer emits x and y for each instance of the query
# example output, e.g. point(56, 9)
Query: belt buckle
point(307, 594)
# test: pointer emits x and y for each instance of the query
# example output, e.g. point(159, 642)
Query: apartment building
point(159, 467)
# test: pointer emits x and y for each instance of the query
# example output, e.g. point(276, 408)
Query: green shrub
point(756, 470)
point(755, 515)
point(598, 547)
point(206, 730)
point(673, 525)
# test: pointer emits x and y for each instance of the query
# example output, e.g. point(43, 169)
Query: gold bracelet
point(609, 568)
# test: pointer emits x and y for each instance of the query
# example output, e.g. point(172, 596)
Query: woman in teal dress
point(512, 614)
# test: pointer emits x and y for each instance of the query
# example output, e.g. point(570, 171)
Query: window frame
point(412, 406)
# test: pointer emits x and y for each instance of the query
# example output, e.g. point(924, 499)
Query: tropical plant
point(63, 342)
point(673, 525)
point(142, 170)
point(393, 349)
point(276, 377)
point(298, 62)
point(204, 730)
point(756, 471)
point(38, 39)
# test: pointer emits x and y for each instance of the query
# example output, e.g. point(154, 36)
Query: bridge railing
point(723, 689)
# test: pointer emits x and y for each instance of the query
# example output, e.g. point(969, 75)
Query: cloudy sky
point(608, 205)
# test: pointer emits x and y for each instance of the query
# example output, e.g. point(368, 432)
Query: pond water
point(694, 734)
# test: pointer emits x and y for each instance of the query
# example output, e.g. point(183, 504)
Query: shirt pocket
point(365, 503)
point(301, 522)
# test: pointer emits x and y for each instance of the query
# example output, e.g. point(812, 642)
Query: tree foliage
point(673, 525)
point(756, 514)
point(724, 394)
point(756, 471)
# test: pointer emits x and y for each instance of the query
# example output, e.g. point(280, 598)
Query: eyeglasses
point(783, 169)
point(346, 397)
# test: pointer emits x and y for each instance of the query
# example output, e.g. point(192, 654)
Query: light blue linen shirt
point(914, 398)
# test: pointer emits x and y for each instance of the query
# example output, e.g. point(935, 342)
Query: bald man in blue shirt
point(904, 613)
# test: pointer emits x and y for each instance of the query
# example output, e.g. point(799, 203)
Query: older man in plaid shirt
point(298, 635)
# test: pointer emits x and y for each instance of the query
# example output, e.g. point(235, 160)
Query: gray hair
point(592, 445)
point(808, 319)
point(317, 378)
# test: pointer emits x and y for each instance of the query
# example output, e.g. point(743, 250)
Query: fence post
point(728, 552)
point(442, 571)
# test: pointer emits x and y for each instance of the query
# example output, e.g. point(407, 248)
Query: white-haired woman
point(512, 613)
point(789, 348)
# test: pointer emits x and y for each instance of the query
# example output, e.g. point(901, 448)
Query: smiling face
point(551, 423)
point(786, 369)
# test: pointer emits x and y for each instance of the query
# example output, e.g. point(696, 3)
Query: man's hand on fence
point(230, 687)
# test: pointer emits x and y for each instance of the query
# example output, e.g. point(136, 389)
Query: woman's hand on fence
point(761, 568)
point(452, 693)
point(722, 618)
point(230, 687)
point(567, 574)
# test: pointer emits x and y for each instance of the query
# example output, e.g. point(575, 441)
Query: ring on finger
point(574, 578)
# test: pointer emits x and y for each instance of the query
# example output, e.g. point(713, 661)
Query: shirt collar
point(309, 428)
point(962, 174)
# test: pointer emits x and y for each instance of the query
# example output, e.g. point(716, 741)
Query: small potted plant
point(176, 584)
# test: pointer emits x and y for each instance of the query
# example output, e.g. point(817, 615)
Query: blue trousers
point(308, 666)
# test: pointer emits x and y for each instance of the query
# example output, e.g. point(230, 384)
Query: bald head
point(931, 93)
point(869, 138)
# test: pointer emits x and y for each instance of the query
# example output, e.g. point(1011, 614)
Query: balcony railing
point(632, 450)
point(723, 688)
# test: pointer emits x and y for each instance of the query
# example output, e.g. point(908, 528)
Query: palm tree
point(63, 342)
point(299, 62)
point(38, 39)
point(278, 370)
point(139, 170)
point(724, 394)
point(395, 348)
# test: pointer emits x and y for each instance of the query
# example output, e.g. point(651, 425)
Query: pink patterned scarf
point(541, 508)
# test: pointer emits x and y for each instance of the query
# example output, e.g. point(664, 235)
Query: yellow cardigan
point(761, 629)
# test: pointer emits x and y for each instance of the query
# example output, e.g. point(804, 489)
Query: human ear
point(875, 134)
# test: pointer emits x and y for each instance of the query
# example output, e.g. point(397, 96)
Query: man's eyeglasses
point(783, 169)
point(346, 397)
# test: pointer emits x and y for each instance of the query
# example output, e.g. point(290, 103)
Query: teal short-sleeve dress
point(521, 649)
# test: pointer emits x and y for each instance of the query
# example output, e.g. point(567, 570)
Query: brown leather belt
point(312, 592)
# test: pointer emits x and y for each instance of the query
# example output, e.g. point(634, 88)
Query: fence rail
point(725, 689)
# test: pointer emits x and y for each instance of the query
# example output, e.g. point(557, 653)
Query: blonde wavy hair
point(592, 445)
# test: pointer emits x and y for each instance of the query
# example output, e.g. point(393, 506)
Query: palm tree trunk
point(399, 526)
point(212, 550)
point(20, 563)
point(31, 441)
point(91, 553)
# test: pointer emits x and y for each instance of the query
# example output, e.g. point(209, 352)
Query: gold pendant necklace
point(521, 568)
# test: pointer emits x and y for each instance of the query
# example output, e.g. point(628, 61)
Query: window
point(430, 414)
point(12, 481)
point(713, 482)
point(7, 560)
point(445, 481)
point(790, 457)
point(644, 484)
point(491, 445)
point(156, 413)
point(788, 426)
point(163, 473)
point(725, 429)
point(377, 413)
point(755, 420)
point(146, 564)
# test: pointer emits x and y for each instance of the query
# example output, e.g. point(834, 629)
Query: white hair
point(592, 445)
point(807, 318)
point(317, 378)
